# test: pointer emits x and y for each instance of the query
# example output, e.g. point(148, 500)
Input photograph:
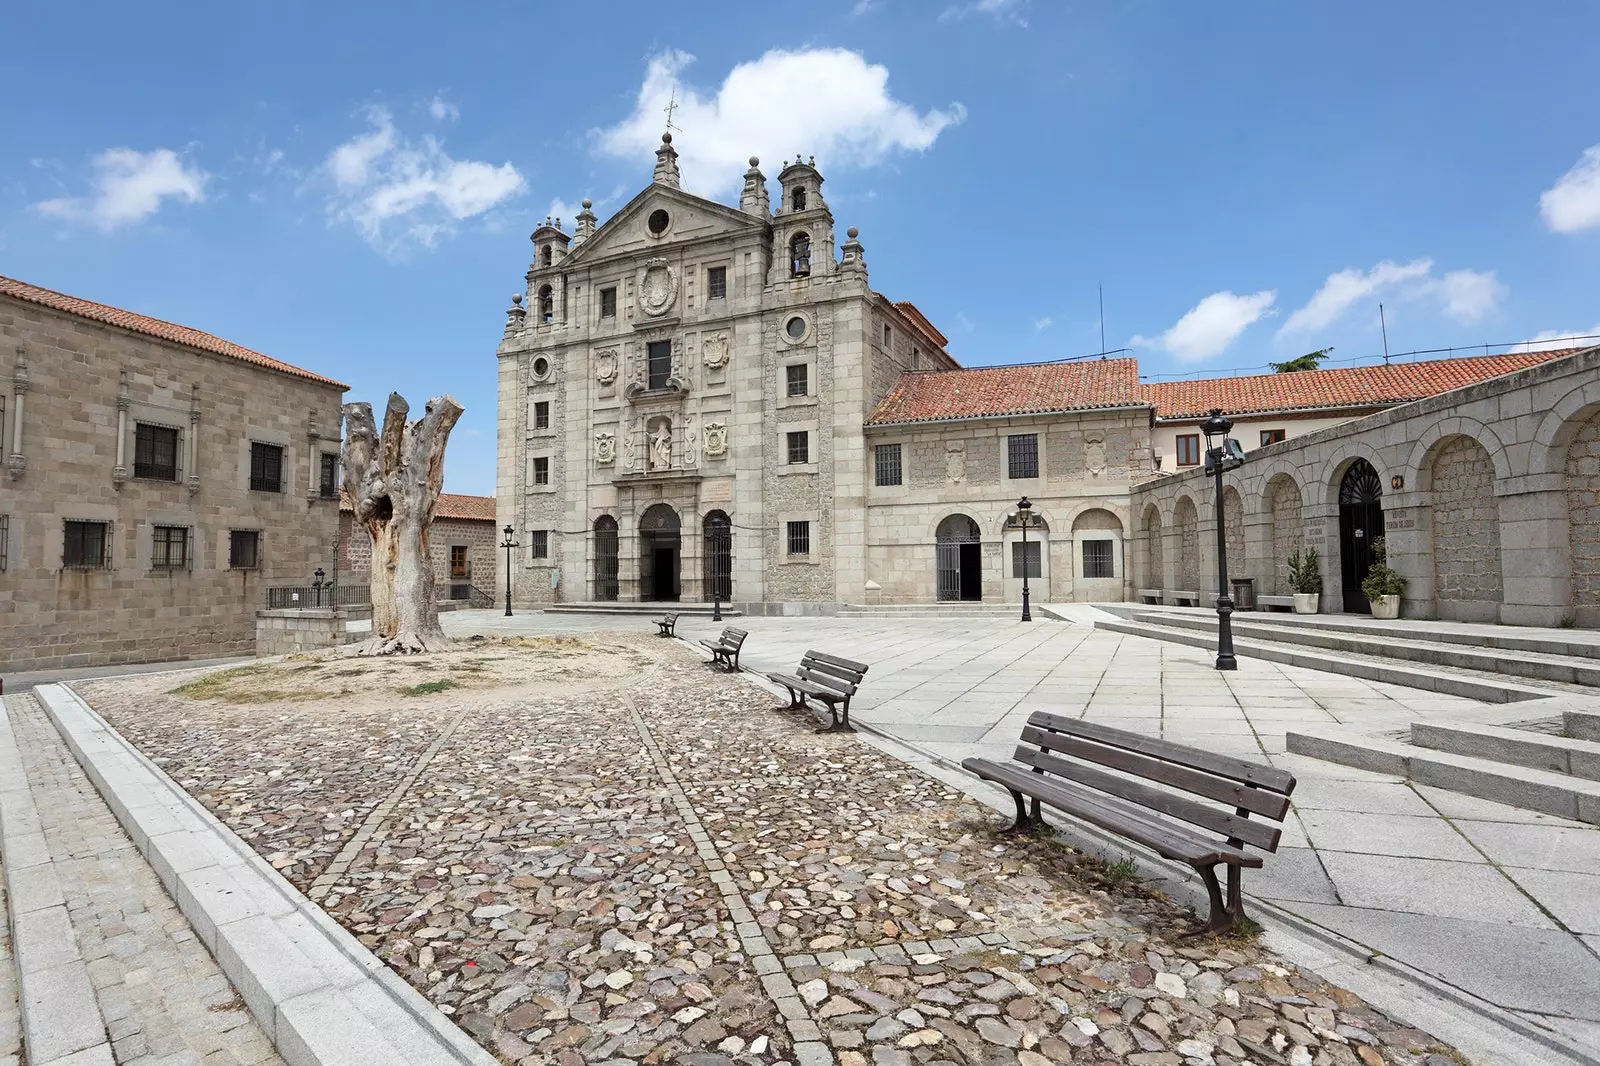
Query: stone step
point(1539, 751)
point(1581, 725)
point(1518, 786)
point(929, 610)
point(653, 610)
point(1371, 668)
point(1390, 643)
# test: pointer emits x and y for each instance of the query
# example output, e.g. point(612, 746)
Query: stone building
point(462, 543)
point(158, 479)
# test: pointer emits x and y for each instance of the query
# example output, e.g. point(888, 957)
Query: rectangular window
point(1022, 455)
point(244, 549)
point(87, 546)
point(266, 467)
point(328, 479)
point(538, 544)
point(1097, 559)
point(155, 452)
point(1272, 436)
point(459, 569)
point(799, 447)
point(170, 549)
point(916, 359)
point(799, 538)
point(888, 335)
point(795, 379)
point(608, 303)
point(1027, 559)
point(5, 541)
point(886, 458)
point(1189, 449)
point(541, 414)
point(541, 470)
point(716, 283)
point(660, 353)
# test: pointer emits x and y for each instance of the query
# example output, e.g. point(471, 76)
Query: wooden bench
point(827, 679)
point(725, 649)
point(1060, 761)
point(666, 625)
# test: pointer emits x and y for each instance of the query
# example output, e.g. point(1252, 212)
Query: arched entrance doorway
point(1360, 521)
point(659, 544)
point(718, 556)
point(605, 558)
point(958, 557)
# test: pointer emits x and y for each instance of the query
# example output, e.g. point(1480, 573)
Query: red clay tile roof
point(1353, 386)
point(988, 392)
point(909, 309)
point(153, 327)
point(450, 505)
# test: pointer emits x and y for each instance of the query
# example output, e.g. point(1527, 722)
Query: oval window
point(658, 222)
point(541, 367)
point(795, 327)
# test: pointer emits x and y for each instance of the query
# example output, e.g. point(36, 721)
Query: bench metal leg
point(1223, 917)
point(838, 725)
point(1025, 821)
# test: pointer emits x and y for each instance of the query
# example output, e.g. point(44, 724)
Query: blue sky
point(350, 187)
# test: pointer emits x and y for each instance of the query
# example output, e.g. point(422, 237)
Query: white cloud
point(130, 186)
point(828, 102)
point(1551, 339)
point(1042, 324)
point(1464, 295)
point(1013, 11)
point(966, 324)
point(1211, 325)
point(442, 109)
point(397, 191)
point(1573, 202)
point(864, 7)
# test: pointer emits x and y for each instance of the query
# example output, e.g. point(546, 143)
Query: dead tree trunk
point(393, 481)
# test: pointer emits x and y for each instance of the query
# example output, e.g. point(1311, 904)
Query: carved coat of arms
point(658, 287)
point(955, 462)
point(716, 438)
point(714, 350)
point(1094, 456)
point(605, 448)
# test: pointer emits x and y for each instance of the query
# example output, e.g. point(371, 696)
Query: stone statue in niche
point(661, 446)
point(605, 366)
point(716, 439)
point(1094, 455)
point(714, 351)
point(605, 448)
point(955, 462)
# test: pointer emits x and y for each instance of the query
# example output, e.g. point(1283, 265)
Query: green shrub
point(1381, 579)
point(1305, 571)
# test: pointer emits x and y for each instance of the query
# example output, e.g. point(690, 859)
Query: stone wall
point(479, 536)
point(1233, 534)
point(1187, 522)
point(1466, 532)
point(294, 632)
point(1153, 574)
point(1283, 513)
point(1583, 515)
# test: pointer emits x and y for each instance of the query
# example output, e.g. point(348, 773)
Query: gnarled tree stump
point(393, 482)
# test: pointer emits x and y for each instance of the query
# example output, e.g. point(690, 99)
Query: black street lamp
point(1222, 453)
point(716, 575)
point(508, 544)
point(1024, 513)
point(317, 583)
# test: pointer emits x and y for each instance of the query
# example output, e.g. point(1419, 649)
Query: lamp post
point(1222, 453)
point(1024, 513)
point(317, 584)
point(508, 544)
point(716, 575)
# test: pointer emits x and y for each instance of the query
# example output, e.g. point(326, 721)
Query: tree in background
point(1309, 361)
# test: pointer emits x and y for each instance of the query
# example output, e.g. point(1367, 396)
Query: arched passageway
point(958, 558)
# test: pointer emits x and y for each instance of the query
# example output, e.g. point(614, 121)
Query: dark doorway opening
point(958, 559)
point(660, 541)
point(1360, 522)
point(717, 557)
point(605, 558)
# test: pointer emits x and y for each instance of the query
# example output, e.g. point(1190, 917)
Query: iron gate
point(1360, 522)
point(718, 557)
point(955, 535)
point(605, 558)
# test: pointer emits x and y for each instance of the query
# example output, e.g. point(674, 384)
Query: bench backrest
point(734, 636)
point(670, 618)
point(831, 672)
point(1116, 762)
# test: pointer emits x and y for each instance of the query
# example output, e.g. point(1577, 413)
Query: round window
point(795, 327)
point(541, 367)
point(658, 222)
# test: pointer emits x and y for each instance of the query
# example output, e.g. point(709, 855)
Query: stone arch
point(1152, 564)
point(547, 304)
point(800, 255)
point(1466, 530)
point(1349, 450)
point(1583, 516)
point(1265, 475)
point(1003, 521)
point(1418, 470)
point(1286, 528)
point(1552, 442)
point(716, 558)
point(1233, 530)
point(606, 562)
point(1186, 521)
point(958, 557)
point(1097, 551)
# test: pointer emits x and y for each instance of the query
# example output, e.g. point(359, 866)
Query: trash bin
point(1244, 593)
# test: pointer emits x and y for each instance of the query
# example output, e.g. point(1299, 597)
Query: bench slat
point(811, 662)
point(834, 660)
point(837, 684)
point(1267, 777)
point(1273, 805)
point(1124, 819)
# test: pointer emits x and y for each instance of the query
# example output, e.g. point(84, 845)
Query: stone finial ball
point(852, 233)
point(587, 204)
point(755, 161)
point(516, 298)
point(666, 138)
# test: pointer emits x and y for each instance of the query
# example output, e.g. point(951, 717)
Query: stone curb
point(61, 1020)
point(320, 996)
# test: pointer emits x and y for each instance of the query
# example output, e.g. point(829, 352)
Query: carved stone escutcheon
point(1094, 455)
point(716, 439)
point(605, 365)
point(657, 287)
point(955, 462)
point(714, 350)
point(605, 448)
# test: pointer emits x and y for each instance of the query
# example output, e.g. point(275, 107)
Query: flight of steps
point(1475, 665)
point(957, 608)
point(1549, 767)
point(654, 610)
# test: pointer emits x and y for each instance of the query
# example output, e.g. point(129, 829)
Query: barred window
point(170, 549)
point(1023, 455)
point(86, 546)
point(1189, 449)
point(541, 470)
point(886, 458)
point(5, 541)
point(608, 303)
point(266, 467)
point(1027, 560)
point(155, 452)
point(460, 570)
point(328, 482)
point(795, 379)
point(541, 414)
point(660, 356)
point(1097, 559)
point(716, 283)
point(799, 447)
point(244, 549)
point(538, 544)
point(799, 538)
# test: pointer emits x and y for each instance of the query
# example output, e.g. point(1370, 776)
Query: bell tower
point(802, 227)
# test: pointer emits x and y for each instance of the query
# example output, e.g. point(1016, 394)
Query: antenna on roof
point(1385, 326)
point(672, 105)
point(1102, 318)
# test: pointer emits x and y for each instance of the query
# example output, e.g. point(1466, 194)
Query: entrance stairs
point(1551, 766)
point(1476, 662)
point(654, 610)
point(960, 608)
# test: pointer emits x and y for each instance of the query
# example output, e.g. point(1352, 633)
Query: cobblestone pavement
point(162, 996)
point(660, 866)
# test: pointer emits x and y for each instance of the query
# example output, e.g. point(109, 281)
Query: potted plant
point(1382, 586)
point(1305, 578)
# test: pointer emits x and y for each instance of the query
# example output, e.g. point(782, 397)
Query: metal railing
point(282, 597)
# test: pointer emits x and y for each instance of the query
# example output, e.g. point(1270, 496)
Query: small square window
point(1272, 436)
point(170, 548)
point(886, 458)
point(541, 414)
point(795, 379)
point(244, 549)
point(1027, 560)
point(799, 447)
point(608, 303)
point(1022, 455)
point(460, 566)
point(328, 481)
point(87, 546)
point(266, 467)
point(799, 538)
point(1189, 449)
point(716, 283)
point(1097, 559)
point(538, 544)
point(541, 470)
point(155, 452)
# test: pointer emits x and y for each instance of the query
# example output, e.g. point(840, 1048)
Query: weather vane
point(672, 105)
